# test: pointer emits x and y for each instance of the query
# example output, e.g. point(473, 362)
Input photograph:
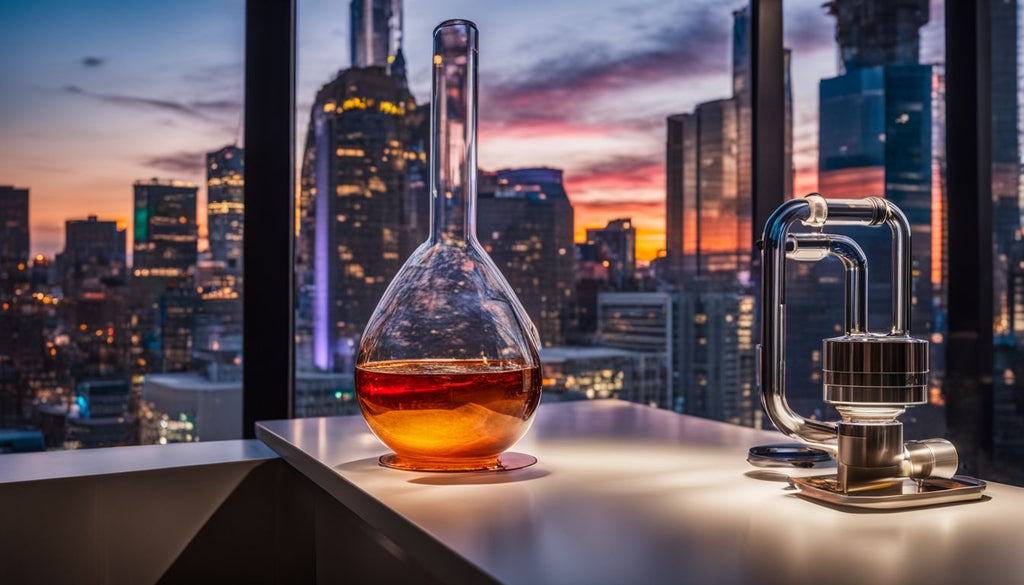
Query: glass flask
point(448, 374)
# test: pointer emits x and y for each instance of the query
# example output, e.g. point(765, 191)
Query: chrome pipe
point(772, 368)
point(817, 246)
point(874, 211)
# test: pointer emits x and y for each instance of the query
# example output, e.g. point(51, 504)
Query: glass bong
point(870, 378)
point(448, 374)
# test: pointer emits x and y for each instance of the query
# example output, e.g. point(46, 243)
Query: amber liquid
point(441, 413)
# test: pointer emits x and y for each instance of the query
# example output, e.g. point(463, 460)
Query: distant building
point(165, 236)
point(93, 249)
point(225, 194)
point(375, 32)
point(709, 177)
point(1006, 176)
point(602, 372)
point(718, 373)
point(878, 32)
point(617, 242)
point(13, 236)
point(646, 322)
point(99, 416)
point(324, 394)
point(102, 398)
point(591, 278)
point(193, 407)
point(525, 222)
point(355, 227)
point(165, 231)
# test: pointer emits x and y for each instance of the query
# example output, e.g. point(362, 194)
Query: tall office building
point(1006, 220)
point(719, 243)
point(717, 375)
point(875, 133)
point(617, 243)
point(225, 195)
point(93, 249)
point(13, 235)
point(709, 232)
point(525, 222)
point(375, 32)
point(165, 237)
point(165, 231)
point(648, 323)
point(355, 228)
point(878, 32)
point(92, 277)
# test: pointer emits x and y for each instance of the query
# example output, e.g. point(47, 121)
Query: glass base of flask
point(504, 462)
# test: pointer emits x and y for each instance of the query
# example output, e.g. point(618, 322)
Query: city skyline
point(185, 96)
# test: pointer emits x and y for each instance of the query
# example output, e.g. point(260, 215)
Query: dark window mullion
point(269, 339)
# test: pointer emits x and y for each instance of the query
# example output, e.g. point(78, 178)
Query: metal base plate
point(899, 493)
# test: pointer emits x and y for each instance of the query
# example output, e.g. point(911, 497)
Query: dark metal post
point(969, 349)
point(768, 123)
point(768, 117)
point(269, 211)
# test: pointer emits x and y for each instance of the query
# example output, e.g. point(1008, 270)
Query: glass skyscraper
point(708, 177)
point(525, 222)
point(225, 194)
point(355, 226)
point(13, 236)
point(165, 237)
point(375, 32)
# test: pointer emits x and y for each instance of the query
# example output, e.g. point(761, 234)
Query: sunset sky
point(99, 94)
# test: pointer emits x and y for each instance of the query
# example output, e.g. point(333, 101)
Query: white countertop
point(629, 494)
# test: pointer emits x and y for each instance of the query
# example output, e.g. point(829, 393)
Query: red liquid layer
point(448, 413)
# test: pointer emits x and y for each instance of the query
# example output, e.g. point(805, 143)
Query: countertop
point(624, 493)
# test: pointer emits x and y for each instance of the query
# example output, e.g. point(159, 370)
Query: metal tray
point(908, 493)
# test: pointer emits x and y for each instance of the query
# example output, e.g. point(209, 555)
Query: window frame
point(269, 336)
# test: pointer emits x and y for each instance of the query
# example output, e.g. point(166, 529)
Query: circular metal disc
point(787, 455)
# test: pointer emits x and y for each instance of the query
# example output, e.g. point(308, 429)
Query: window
point(868, 108)
point(1007, 244)
point(120, 224)
point(571, 185)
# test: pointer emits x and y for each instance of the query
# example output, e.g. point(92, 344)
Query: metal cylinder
point(930, 458)
point(869, 453)
point(867, 369)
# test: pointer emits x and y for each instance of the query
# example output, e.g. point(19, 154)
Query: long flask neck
point(453, 134)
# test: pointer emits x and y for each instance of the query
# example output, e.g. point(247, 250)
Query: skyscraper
point(878, 32)
point(717, 376)
point(1005, 154)
point(92, 249)
point(875, 133)
point(355, 226)
point(709, 177)
point(165, 236)
point(525, 222)
point(225, 194)
point(165, 231)
point(92, 276)
point(13, 235)
point(375, 32)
